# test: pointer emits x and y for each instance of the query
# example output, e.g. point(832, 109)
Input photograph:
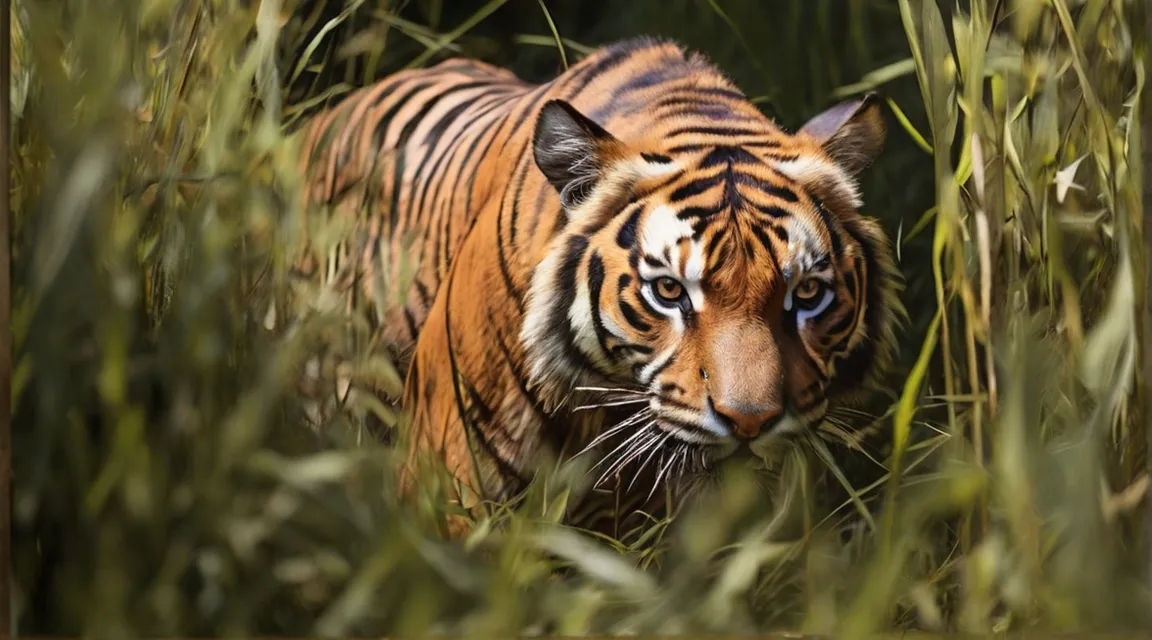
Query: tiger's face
point(729, 292)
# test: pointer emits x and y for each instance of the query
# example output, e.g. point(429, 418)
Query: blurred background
point(168, 483)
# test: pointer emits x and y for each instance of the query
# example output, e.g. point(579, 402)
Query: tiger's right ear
point(852, 132)
point(571, 150)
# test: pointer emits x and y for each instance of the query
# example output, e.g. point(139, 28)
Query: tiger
point(629, 256)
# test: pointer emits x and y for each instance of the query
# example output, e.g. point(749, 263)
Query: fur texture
point(633, 239)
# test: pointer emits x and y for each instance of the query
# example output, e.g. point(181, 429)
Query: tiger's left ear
point(571, 150)
point(852, 133)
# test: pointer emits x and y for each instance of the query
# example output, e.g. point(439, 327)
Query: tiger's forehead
point(743, 220)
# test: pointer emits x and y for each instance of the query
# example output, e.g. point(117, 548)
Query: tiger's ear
point(571, 150)
point(852, 133)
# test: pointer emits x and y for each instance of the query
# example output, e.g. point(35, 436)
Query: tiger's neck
point(467, 384)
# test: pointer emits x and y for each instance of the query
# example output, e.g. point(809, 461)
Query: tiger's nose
point(747, 425)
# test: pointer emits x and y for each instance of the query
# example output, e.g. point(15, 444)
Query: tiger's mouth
point(703, 428)
point(673, 447)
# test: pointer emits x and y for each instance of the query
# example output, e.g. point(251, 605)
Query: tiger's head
point(721, 277)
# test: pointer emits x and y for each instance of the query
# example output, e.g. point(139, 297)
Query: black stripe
point(772, 212)
point(440, 126)
point(518, 374)
point(720, 255)
point(595, 289)
point(414, 204)
point(776, 191)
point(502, 246)
point(850, 280)
point(639, 194)
point(649, 78)
point(380, 132)
point(528, 110)
point(712, 111)
point(410, 320)
point(472, 430)
point(399, 158)
point(694, 188)
point(612, 59)
point(467, 165)
point(633, 318)
point(626, 237)
point(727, 155)
point(727, 132)
point(711, 248)
point(620, 351)
point(657, 158)
point(842, 325)
point(565, 296)
point(689, 148)
point(653, 261)
point(792, 334)
point(704, 96)
point(830, 224)
point(443, 216)
point(688, 213)
point(422, 292)
point(764, 240)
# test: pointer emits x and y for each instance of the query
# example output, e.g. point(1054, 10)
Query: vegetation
point(168, 483)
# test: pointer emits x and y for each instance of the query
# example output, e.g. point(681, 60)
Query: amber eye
point(807, 294)
point(668, 290)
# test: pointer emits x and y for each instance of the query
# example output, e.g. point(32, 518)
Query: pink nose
point(747, 425)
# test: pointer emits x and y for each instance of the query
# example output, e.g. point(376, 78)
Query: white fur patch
point(804, 315)
point(612, 182)
point(650, 369)
point(580, 319)
point(663, 230)
point(810, 169)
point(544, 350)
point(549, 369)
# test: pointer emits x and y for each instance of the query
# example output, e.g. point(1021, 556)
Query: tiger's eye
point(808, 290)
point(669, 290)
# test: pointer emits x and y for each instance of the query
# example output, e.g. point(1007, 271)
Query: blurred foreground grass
point(167, 482)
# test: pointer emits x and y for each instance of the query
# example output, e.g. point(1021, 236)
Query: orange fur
point(533, 211)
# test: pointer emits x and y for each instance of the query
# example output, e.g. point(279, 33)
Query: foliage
point(168, 480)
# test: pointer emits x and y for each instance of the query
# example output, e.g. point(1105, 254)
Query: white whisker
point(624, 424)
point(615, 403)
point(609, 390)
point(637, 449)
point(663, 470)
point(653, 450)
point(628, 442)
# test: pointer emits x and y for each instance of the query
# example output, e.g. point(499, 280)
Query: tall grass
point(169, 479)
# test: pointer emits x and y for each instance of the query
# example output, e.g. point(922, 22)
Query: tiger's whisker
point(624, 424)
point(615, 403)
point(654, 449)
point(623, 445)
point(610, 390)
point(663, 470)
point(638, 448)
